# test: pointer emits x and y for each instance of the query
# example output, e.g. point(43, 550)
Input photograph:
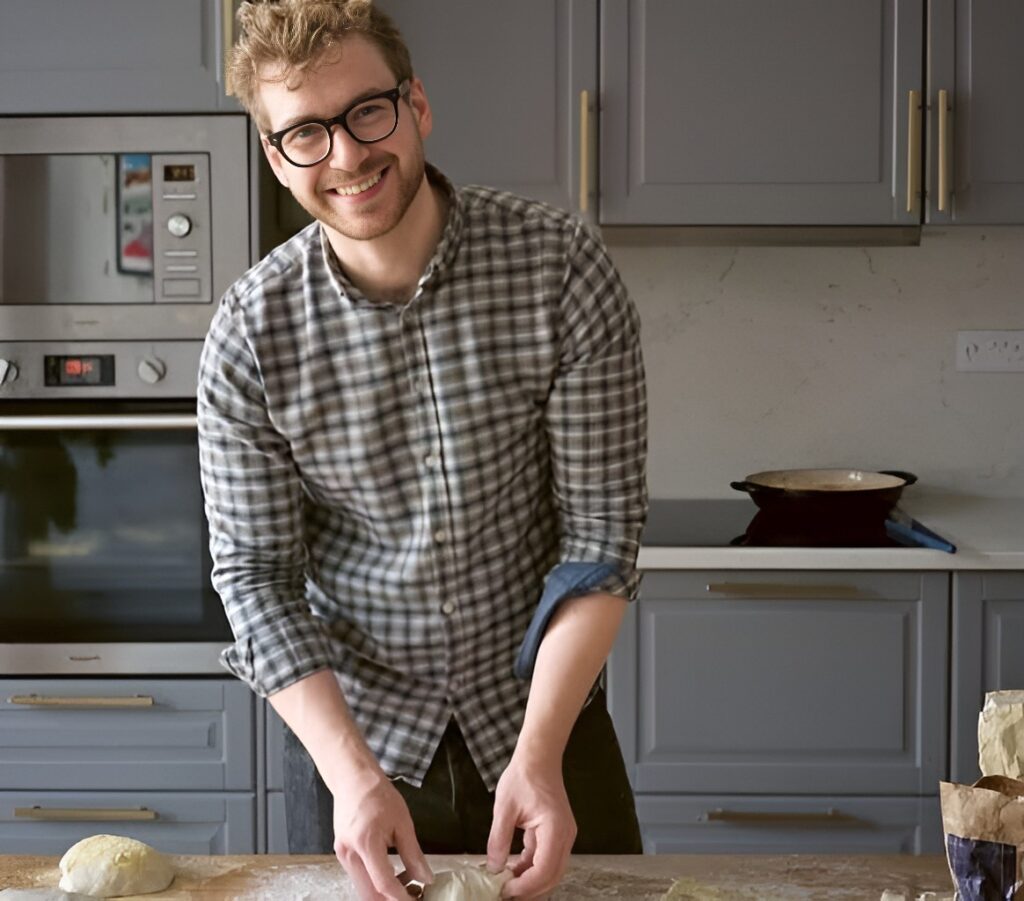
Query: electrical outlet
point(997, 351)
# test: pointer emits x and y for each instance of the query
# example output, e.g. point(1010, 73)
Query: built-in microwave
point(118, 236)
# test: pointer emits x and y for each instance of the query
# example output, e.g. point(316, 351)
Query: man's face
point(397, 161)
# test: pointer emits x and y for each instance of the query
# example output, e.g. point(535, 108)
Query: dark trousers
point(452, 809)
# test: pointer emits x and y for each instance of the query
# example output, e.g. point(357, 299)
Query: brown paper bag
point(984, 830)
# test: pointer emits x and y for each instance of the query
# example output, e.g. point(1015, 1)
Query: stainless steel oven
point(118, 235)
point(104, 560)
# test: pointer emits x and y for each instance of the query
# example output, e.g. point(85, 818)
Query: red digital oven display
point(82, 370)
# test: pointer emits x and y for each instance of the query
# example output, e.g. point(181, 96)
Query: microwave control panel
point(182, 239)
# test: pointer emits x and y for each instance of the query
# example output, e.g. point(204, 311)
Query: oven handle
point(184, 421)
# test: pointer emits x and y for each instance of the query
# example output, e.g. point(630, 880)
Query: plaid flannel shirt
point(389, 486)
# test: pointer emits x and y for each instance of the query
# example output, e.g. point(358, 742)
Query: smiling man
point(422, 429)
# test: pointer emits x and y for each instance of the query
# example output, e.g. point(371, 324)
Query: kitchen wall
point(780, 357)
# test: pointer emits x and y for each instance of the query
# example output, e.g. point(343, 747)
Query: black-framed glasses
point(368, 120)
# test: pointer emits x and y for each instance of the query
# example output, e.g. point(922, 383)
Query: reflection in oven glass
point(103, 538)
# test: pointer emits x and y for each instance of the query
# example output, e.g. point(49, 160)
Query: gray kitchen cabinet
point(126, 734)
point(988, 635)
point(113, 56)
point(805, 686)
point(737, 112)
point(755, 824)
point(504, 82)
point(168, 761)
point(180, 823)
point(976, 162)
point(277, 826)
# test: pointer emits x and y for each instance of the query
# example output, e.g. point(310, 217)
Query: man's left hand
point(531, 796)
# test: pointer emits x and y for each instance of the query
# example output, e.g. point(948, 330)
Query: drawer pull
point(58, 701)
point(831, 815)
point(81, 814)
point(781, 590)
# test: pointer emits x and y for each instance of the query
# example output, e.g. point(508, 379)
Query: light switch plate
point(991, 351)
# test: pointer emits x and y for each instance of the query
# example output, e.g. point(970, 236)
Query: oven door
point(104, 552)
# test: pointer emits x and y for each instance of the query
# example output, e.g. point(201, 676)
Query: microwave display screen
point(180, 172)
point(95, 370)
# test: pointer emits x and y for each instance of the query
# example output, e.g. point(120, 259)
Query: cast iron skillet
point(822, 492)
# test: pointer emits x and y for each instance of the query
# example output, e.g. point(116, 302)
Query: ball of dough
point(105, 866)
point(466, 884)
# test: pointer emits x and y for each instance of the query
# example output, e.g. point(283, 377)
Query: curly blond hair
point(296, 34)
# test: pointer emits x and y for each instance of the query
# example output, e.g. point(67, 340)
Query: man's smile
point(360, 187)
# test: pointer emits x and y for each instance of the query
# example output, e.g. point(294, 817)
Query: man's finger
point(408, 848)
point(499, 843)
point(382, 873)
point(525, 860)
point(550, 859)
point(360, 878)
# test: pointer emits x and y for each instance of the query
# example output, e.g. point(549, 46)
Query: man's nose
point(347, 153)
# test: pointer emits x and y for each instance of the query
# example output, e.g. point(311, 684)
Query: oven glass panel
point(102, 254)
point(103, 538)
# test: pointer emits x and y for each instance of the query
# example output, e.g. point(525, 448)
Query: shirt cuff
point(565, 581)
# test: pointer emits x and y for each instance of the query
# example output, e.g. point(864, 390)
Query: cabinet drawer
point(183, 822)
point(74, 734)
point(742, 824)
point(784, 683)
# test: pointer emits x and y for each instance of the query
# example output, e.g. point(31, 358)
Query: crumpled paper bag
point(984, 830)
point(1001, 734)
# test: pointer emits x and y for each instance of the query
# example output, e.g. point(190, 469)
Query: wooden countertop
point(644, 878)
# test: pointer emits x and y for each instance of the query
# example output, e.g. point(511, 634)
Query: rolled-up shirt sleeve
point(253, 500)
point(596, 418)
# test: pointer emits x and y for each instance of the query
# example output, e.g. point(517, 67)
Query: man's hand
point(531, 795)
point(370, 816)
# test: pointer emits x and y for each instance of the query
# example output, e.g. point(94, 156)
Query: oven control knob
point(179, 225)
point(8, 372)
point(152, 370)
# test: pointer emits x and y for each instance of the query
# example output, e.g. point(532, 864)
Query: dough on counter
point(105, 866)
point(466, 883)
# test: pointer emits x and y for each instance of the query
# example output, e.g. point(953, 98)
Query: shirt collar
point(444, 254)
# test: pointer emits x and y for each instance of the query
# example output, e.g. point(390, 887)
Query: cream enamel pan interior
point(826, 480)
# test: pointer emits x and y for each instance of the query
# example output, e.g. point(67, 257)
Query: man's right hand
point(370, 816)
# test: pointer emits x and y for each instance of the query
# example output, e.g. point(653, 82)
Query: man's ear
point(277, 162)
point(420, 107)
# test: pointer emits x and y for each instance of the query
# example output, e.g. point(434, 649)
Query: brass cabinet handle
point(584, 150)
point(831, 815)
point(227, 15)
point(913, 149)
point(57, 701)
point(782, 590)
point(944, 154)
point(81, 814)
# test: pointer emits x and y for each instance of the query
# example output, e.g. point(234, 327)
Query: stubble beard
point(407, 175)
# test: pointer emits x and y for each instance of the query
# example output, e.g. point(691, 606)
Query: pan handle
point(908, 477)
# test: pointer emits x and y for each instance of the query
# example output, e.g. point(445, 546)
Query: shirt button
point(440, 536)
point(448, 608)
point(430, 461)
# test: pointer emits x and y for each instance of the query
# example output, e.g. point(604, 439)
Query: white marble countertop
point(988, 534)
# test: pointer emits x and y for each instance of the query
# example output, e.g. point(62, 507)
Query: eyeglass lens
point(370, 121)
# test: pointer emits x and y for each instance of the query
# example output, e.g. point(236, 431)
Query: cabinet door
point(504, 83)
point(975, 55)
point(784, 683)
point(112, 56)
point(740, 112)
point(988, 634)
point(180, 823)
point(739, 824)
point(84, 734)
